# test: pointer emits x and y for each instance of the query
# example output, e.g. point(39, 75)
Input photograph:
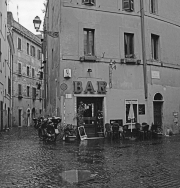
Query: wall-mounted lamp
point(89, 70)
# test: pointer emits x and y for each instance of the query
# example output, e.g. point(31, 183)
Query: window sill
point(88, 58)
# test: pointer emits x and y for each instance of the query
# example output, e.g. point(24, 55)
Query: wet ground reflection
point(28, 162)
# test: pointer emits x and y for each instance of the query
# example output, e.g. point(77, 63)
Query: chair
point(144, 131)
point(126, 131)
point(115, 130)
point(137, 130)
point(108, 131)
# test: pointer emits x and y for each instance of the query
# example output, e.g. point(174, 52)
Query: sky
point(25, 11)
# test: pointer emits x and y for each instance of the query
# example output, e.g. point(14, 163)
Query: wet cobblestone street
point(28, 162)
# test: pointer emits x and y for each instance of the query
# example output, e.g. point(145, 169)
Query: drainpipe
point(143, 49)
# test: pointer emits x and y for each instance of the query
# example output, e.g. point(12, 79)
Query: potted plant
point(70, 132)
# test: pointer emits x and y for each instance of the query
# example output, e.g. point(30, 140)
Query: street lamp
point(37, 23)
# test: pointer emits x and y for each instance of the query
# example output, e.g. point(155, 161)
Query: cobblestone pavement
point(28, 162)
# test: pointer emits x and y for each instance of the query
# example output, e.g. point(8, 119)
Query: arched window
point(158, 97)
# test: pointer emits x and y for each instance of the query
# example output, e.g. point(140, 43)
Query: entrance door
point(20, 117)
point(158, 114)
point(92, 106)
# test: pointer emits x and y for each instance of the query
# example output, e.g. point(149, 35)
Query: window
point(155, 46)
point(27, 70)
point(19, 68)
point(9, 86)
point(129, 45)
point(88, 2)
point(19, 89)
point(128, 5)
point(0, 51)
point(19, 44)
point(131, 111)
point(33, 51)
point(89, 42)
point(39, 54)
point(0, 21)
point(153, 6)
point(32, 72)
point(28, 48)
point(28, 89)
point(33, 93)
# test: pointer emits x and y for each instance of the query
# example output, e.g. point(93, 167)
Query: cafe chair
point(144, 132)
point(137, 130)
point(126, 131)
point(115, 130)
point(108, 131)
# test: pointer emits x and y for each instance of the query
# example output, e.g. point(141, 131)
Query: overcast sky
point(26, 11)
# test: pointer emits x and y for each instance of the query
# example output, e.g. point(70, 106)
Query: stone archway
point(158, 109)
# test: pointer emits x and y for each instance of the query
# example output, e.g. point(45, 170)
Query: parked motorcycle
point(37, 122)
point(48, 129)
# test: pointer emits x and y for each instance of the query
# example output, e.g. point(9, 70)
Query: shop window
point(129, 45)
point(155, 46)
point(89, 42)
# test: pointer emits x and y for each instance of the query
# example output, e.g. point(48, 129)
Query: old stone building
point(6, 52)
point(27, 74)
point(114, 56)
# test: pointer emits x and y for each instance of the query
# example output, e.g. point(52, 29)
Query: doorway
point(92, 105)
point(158, 113)
point(20, 114)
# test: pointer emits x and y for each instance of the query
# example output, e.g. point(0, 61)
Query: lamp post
point(37, 23)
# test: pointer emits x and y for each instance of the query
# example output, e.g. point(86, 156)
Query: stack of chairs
point(108, 131)
point(115, 130)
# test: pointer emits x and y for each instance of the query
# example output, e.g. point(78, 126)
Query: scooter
point(48, 130)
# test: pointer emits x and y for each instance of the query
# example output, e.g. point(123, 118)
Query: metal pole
point(144, 49)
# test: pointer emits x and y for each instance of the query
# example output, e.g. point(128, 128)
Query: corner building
point(114, 56)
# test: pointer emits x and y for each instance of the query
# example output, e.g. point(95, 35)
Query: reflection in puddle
point(76, 176)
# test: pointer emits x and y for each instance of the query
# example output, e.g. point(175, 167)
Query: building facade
point(27, 74)
point(119, 58)
point(6, 55)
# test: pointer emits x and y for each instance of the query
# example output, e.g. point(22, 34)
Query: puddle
point(77, 176)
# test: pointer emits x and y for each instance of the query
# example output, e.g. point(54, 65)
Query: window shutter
point(20, 89)
point(33, 72)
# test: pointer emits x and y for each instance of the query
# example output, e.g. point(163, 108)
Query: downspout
point(143, 49)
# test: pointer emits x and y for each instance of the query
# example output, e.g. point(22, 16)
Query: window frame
point(28, 70)
point(33, 72)
point(33, 51)
point(129, 3)
point(19, 69)
point(28, 91)
point(153, 6)
point(128, 48)
point(28, 45)
point(34, 92)
point(20, 89)
point(89, 46)
point(134, 102)
point(19, 45)
point(89, 2)
point(155, 47)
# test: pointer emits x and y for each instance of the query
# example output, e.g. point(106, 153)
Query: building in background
point(27, 74)
point(113, 57)
point(6, 56)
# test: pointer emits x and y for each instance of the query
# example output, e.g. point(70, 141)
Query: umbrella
point(131, 114)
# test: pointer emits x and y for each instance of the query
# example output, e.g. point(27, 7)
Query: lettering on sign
point(101, 87)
